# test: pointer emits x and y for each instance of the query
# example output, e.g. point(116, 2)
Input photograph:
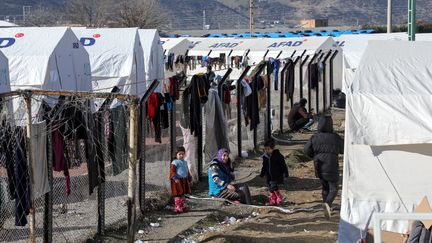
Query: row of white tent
point(258, 49)
point(80, 59)
point(388, 158)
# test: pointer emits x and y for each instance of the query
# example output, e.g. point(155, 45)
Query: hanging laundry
point(199, 87)
point(94, 148)
point(117, 140)
point(275, 65)
point(252, 102)
point(174, 88)
point(289, 79)
point(185, 108)
point(163, 111)
point(7, 149)
point(313, 72)
point(216, 125)
point(39, 163)
point(21, 179)
point(152, 104)
point(60, 160)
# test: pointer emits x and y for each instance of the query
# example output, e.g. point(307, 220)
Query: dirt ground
point(213, 221)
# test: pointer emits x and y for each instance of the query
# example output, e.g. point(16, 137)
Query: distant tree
point(44, 16)
point(145, 14)
point(90, 13)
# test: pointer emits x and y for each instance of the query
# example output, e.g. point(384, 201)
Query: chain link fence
point(77, 177)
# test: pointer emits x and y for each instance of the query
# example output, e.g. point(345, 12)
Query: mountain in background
point(233, 14)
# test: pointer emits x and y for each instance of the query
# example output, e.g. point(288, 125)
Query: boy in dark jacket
point(274, 169)
point(324, 147)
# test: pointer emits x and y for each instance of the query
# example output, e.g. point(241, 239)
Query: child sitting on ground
point(274, 169)
point(180, 179)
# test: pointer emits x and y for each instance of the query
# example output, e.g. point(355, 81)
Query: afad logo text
point(8, 41)
point(89, 41)
point(285, 43)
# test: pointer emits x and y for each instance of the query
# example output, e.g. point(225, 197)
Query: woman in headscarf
point(221, 176)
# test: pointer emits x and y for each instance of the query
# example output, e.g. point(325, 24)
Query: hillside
point(229, 14)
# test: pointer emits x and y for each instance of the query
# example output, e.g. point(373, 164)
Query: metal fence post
point(48, 212)
point(239, 116)
point(268, 108)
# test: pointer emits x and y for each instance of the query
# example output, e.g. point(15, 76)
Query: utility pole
point(389, 16)
point(204, 19)
point(251, 17)
point(26, 13)
point(412, 28)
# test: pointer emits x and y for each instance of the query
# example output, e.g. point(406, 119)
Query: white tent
point(388, 136)
point(177, 46)
point(115, 62)
point(4, 74)
point(354, 47)
point(153, 56)
point(6, 24)
point(44, 58)
point(203, 46)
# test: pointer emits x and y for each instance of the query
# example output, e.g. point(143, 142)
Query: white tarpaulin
point(388, 150)
point(44, 58)
point(177, 46)
point(114, 61)
point(153, 56)
point(353, 48)
point(202, 46)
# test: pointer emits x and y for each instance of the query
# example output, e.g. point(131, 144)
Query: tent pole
point(325, 80)
point(331, 75)
point(317, 90)
point(309, 80)
point(301, 76)
point(294, 66)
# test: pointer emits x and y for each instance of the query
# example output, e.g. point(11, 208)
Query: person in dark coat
point(298, 117)
point(324, 147)
point(274, 169)
point(419, 233)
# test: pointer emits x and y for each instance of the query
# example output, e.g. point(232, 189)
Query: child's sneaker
point(272, 199)
point(279, 198)
point(178, 205)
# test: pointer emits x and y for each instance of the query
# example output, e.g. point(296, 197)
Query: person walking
point(324, 147)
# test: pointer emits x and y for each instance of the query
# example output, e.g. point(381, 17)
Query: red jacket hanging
point(152, 104)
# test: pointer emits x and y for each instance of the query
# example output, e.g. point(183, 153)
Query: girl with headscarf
point(220, 177)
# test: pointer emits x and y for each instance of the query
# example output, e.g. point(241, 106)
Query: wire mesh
point(88, 154)
point(157, 156)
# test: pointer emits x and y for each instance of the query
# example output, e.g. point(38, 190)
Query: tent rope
point(393, 185)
